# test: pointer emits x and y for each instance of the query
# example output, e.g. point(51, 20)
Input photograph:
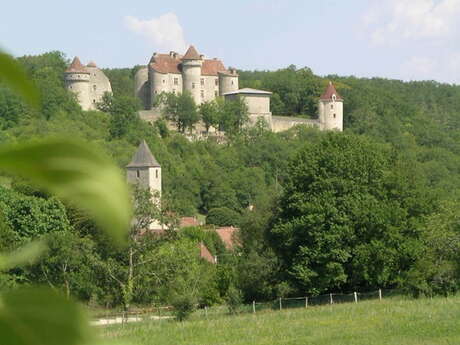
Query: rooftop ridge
point(143, 157)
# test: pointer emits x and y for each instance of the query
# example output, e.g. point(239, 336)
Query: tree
point(349, 215)
point(209, 113)
point(234, 115)
point(223, 216)
point(181, 110)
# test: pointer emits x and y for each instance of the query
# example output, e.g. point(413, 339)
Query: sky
point(400, 39)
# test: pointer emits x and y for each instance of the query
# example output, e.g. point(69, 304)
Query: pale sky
point(402, 39)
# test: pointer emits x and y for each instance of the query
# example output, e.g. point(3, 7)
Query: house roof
point(188, 221)
point(167, 63)
point(206, 254)
point(248, 91)
point(191, 54)
point(143, 157)
point(76, 66)
point(228, 235)
point(330, 91)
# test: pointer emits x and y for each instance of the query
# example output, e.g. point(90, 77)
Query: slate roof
point(330, 90)
point(248, 91)
point(76, 66)
point(191, 54)
point(143, 157)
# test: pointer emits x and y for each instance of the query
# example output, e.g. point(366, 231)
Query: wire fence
point(283, 303)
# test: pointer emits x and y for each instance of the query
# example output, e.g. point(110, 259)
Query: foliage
point(234, 299)
point(209, 114)
point(223, 216)
point(181, 110)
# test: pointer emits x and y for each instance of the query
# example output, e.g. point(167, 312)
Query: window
point(176, 81)
point(216, 82)
point(156, 173)
point(202, 93)
point(174, 91)
point(232, 82)
point(332, 106)
point(138, 173)
point(94, 101)
point(334, 116)
point(202, 81)
point(164, 81)
point(193, 85)
point(156, 91)
point(94, 87)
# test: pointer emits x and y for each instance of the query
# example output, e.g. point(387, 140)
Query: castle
point(205, 79)
point(88, 83)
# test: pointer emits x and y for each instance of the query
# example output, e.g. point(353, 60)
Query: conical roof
point(191, 54)
point(76, 66)
point(143, 157)
point(330, 91)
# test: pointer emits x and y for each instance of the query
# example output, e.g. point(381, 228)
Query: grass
point(392, 321)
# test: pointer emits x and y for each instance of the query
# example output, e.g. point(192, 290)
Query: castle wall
point(331, 115)
point(78, 83)
point(227, 83)
point(191, 73)
point(283, 123)
point(99, 84)
point(210, 88)
point(142, 87)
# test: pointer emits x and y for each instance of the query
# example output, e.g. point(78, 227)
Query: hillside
point(372, 207)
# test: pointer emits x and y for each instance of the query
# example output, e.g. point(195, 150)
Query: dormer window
point(334, 97)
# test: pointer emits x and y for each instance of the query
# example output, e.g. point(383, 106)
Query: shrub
point(223, 216)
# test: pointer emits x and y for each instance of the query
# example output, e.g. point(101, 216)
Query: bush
point(234, 299)
point(223, 216)
point(184, 306)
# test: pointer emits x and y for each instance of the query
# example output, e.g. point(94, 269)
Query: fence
point(159, 313)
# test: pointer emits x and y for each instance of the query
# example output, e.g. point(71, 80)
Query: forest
point(373, 207)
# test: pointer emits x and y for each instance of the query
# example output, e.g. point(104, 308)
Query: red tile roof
point(167, 63)
point(188, 221)
point(327, 95)
point(76, 66)
point(228, 235)
point(191, 54)
point(206, 254)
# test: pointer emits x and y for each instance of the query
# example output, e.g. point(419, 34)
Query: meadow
point(387, 322)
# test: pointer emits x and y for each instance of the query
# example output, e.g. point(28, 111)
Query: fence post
point(281, 306)
point(356, 297)
point(330, 296)
point(306, 302)
point(206, 311)
point(380, 294)
point(253, 306)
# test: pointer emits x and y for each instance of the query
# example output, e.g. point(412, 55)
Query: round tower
point(141, 86)
point(330, 109)
point(228, 81)
point(76, 79)
point(191, 73)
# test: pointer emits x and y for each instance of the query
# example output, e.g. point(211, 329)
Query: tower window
point(156, 173)
point(94, 101)
point(94, 87)
point(138, 173)
point(202, 81)
point(202, 93)
point(332, 106)
point(334, 116)
point(216, 82)
point(176, 81)
point(164, 81)
point(193, 85)
point(232, 82)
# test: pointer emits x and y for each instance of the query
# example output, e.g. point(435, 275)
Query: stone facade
point(205, 79)
point(89, 83)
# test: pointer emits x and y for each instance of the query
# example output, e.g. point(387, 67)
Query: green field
point(392, 321)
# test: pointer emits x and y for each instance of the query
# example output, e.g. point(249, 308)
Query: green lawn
point(391, 321)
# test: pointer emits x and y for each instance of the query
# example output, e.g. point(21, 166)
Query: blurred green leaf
point(24, 255)
point(76, 172)
point(14, 76)
point(39, 316)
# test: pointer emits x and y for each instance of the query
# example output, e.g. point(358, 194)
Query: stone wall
point(283, 123)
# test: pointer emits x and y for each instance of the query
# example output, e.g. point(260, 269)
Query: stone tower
point(331, 109)
point(191, 69)
point(76, 79)
point(145, 171)
point(228, 81)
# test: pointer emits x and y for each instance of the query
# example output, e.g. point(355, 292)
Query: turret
point(331, 109)
point(228, 81)
point(191, 73)
point(145, 171)
point(76, 79)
